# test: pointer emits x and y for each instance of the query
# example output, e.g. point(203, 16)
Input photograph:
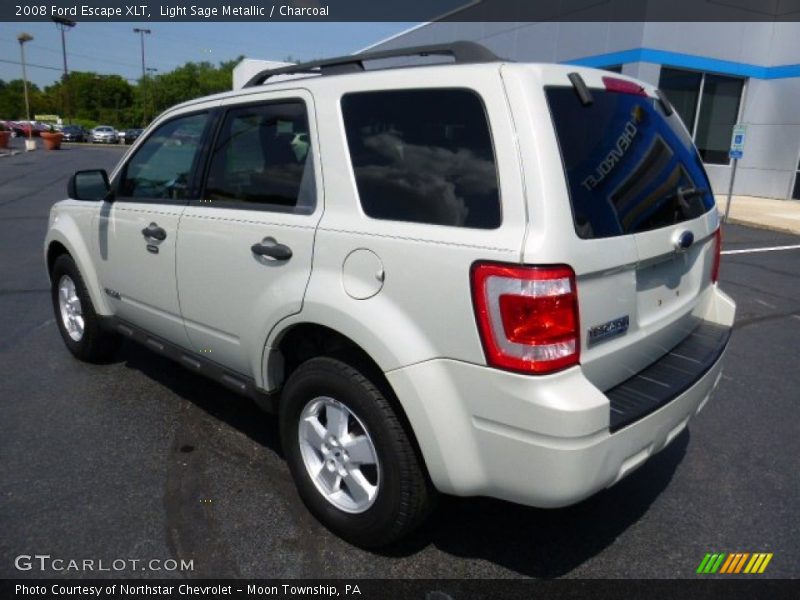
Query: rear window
point(629, 168)
point(423, 156)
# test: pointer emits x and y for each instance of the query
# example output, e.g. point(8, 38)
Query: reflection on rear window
point(629, 168)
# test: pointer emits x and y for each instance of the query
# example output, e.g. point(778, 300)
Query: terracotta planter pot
point(52, 140)
point(4, 137)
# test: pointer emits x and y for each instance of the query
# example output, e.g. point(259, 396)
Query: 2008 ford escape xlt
point(474, 278)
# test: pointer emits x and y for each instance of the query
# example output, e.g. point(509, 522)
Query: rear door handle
point(270, 247)
point(154, 232)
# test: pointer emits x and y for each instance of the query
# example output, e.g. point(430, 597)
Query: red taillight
point(623, 86)
point(527, 316)
point(717, 254)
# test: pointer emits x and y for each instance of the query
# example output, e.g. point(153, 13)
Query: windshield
point(629, 168)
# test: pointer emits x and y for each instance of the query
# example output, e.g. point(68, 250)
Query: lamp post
point(142, 33)
point(22, 38)
point(64, 25)
point(150, 71)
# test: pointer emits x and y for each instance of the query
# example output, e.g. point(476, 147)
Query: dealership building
point(715, 74)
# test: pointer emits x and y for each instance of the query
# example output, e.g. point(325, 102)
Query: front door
point(245, 248)
point(137, 232)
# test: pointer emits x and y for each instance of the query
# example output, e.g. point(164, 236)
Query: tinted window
point(719, 109)
point(423, 156)
point(627, 166)
point(683, 90)
point(262, 156)
point(162, 165)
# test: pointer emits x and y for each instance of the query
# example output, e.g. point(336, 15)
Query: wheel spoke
point(313, 432)
point(329, 479)
point(360, 489)
point(63, 294)
point(360, 450)
point(337, 420)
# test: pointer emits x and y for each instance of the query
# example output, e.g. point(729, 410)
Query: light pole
point(150, 71)
point(142, 33)
point(22, 38)
point(64, 25)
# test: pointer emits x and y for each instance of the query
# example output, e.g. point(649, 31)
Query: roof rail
point(462, 53)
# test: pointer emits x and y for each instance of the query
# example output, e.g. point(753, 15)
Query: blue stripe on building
point(688, 61)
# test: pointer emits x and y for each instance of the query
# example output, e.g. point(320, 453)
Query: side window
point(163, 164)
point(423, 156)
point(262, 158)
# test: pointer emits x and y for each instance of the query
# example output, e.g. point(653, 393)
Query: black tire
point(404, 496)
point(96, 345)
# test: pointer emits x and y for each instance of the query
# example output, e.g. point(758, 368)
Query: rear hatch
point(643, 210)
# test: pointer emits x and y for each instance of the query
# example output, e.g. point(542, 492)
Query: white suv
point(480, 278)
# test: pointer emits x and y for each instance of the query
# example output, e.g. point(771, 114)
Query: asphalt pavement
point(140, 459)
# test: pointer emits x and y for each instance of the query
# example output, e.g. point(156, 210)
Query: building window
point(709, 106)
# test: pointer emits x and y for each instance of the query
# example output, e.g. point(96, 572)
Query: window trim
point(488, 121)
point(223, 112)
point(116, 185)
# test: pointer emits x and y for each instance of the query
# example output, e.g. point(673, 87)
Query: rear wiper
point(683, 194)
point(579, 85)
point(690, 192)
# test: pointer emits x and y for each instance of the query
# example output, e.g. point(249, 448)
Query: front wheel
point(77, 321)
point(350, 456)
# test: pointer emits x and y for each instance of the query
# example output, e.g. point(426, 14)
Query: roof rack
point(462, 53)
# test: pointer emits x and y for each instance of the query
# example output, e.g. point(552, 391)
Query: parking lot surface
point(140, 459)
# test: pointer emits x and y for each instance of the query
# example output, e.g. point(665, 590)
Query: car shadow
point(214, 399)
point(532, 542)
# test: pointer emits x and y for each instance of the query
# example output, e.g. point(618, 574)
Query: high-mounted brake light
point(612, 84)
point(717, 254)
point(527, 316)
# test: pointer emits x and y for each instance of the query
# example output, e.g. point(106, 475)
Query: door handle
point(154, 232)
point(270, 247)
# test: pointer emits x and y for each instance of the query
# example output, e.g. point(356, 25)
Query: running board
point(241, 384)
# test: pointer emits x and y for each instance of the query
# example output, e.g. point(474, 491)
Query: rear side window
point(629, 168)
point(423, 156)
point(262, 158)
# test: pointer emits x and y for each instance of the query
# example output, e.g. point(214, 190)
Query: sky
point(113, 48)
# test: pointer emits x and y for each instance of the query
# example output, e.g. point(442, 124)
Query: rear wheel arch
point(303, 341)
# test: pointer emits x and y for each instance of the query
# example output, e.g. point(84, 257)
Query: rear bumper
point(540, 441)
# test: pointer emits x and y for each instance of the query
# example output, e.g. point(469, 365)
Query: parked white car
point(480, 278)
point(104, 134)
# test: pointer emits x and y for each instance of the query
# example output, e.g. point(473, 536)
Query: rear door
point(643, 219)
point(245, 248)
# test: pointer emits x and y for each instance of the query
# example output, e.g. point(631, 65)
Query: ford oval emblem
point(683, 241)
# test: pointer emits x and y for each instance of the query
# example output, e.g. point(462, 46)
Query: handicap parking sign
point(737, 141)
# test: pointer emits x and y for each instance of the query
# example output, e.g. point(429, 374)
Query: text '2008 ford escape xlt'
point(479, 278)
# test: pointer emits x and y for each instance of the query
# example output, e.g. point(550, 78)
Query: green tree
point(12, 100)
point(92, 98)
